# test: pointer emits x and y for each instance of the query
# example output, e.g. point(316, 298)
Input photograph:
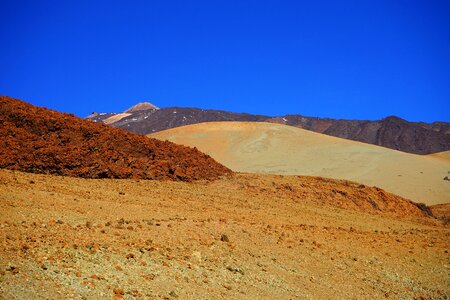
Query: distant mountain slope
point(152, 120)
point(279, 149)
point(39, 140)
point(391, 132)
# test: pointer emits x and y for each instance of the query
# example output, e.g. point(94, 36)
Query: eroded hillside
point(39, 140)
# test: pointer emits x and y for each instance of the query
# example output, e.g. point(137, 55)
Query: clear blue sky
point(342, 58)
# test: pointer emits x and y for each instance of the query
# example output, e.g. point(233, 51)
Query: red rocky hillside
point(40, 140)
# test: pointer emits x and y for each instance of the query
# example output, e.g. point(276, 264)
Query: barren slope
point(442, 155)
point(244, 237)
point(391, 132)
point(40, 140)
point(280, 149)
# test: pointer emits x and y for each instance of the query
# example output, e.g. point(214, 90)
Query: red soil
point(40, 140)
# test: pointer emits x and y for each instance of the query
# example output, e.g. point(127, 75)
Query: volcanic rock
point(391, 132)
point(40, 140)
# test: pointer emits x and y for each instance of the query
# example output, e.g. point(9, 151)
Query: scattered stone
point(12, 269)
point(149, 276)
point(118, 291)
point(224, 238)
point(173, 294)
point(129, 256)
point(235, 270)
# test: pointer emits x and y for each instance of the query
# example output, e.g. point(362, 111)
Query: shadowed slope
point(280, 149)
point(39, 140)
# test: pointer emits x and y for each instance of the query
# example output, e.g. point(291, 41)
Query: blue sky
point(340, 59)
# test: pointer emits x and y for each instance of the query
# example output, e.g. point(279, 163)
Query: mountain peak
point(393, 118)
point(141, 106)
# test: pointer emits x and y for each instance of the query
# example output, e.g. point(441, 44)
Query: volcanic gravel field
point(242, 237)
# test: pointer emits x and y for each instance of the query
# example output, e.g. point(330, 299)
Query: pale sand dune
point(116, 118)
point(441, 155)
point(280, 149)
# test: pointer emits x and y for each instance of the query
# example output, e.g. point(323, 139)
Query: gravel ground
point(246, 237)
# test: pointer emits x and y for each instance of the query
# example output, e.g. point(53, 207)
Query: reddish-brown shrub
point(40, 140)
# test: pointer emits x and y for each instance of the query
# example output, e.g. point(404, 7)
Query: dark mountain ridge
point(391, 132)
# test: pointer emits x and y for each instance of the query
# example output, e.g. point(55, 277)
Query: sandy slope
point(442, 155)
point(72, 238)
point(279, 149)
point(116, 118)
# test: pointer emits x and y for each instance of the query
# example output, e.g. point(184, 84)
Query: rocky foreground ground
point(244, 237)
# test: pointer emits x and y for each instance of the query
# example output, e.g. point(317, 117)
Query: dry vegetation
point(39, 140)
